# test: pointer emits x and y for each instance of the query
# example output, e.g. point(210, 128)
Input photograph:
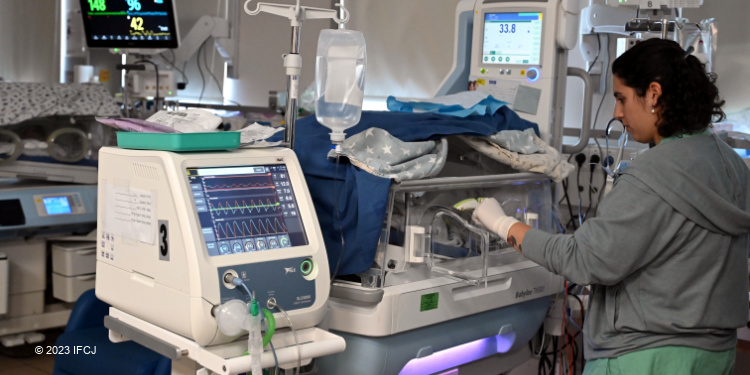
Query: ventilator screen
point(246, 208)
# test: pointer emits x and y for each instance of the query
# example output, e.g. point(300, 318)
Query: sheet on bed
point(360, 197)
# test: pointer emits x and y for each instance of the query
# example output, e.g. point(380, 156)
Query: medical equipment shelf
point(225, 358)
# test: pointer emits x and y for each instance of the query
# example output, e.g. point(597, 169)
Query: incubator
point(443, 294)
point(33, 212)
point(440, 282)
point(48, 131)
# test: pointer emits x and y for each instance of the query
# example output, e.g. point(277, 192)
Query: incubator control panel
point(59, 204)
point(513, 38)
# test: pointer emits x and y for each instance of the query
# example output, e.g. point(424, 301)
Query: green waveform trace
point(241, 208)
point(107, 13)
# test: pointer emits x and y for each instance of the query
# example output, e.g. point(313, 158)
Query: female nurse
point(667, 253)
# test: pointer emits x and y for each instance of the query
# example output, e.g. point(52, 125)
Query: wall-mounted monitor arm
point(225, 36)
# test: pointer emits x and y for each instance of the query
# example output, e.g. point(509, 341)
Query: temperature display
point(129, 23)
point(248, 208)
point(512, 38)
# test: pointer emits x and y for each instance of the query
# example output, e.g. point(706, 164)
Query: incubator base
point(417, 304)
point(497, 336)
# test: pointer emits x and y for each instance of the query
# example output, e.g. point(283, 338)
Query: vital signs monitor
point(175, 228)
point(130, 23)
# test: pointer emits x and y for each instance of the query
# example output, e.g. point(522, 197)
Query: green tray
point(179, 141)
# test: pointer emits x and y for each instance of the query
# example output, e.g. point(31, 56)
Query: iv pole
point(293, 61)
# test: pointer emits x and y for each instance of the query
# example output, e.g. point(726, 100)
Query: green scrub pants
point(668, 360)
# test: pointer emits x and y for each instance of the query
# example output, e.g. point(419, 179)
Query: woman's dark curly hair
point(690, 99)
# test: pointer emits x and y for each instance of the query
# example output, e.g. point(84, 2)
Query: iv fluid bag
point(339, 80)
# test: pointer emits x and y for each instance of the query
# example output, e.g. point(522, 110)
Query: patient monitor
point(175, 228)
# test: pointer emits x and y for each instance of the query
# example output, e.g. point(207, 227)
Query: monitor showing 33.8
point(246, 208)
point(130, 23)
point(512, 38)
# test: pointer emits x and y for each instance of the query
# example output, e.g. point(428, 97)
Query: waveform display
point(244, 207)
point(234, 183)
point(147, 14)
point(126, 13)
point(251, 227)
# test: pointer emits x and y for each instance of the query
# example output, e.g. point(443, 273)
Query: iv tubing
point(337, 212)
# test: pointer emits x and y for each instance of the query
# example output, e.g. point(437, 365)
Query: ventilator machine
point(176, 228)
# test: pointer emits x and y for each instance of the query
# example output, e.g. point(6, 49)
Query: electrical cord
point(580, 302)
point(216, 80)
point(567, 200)
point(200, 70)
point(596, 117)
point(273, 350)
point(156, 68)
point(558, 222)
point(172, 64)
point(272, 305)
point(580, 159)
point(593, 163)
point(598, 51)
point(541, 345)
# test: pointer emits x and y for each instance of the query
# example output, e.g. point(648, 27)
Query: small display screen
point(512, 38)
point(246, 208)
point(57, 205)
point(129, 23)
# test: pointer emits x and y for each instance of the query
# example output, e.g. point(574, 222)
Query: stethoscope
point(622, 142)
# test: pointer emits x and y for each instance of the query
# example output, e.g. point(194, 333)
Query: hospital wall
point(28, 41)
point(410, 49)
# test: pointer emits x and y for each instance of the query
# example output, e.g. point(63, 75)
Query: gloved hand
point(491, 215)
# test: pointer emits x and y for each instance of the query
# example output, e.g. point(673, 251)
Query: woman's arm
point(515, 235)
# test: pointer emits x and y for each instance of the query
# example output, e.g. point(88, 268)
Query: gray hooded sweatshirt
point(667, 253)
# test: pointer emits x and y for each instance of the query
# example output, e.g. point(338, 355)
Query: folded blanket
point(381, 154)
point(549, 161)
point(462, 104)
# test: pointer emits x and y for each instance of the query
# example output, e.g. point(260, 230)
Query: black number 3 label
point(163, 240)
